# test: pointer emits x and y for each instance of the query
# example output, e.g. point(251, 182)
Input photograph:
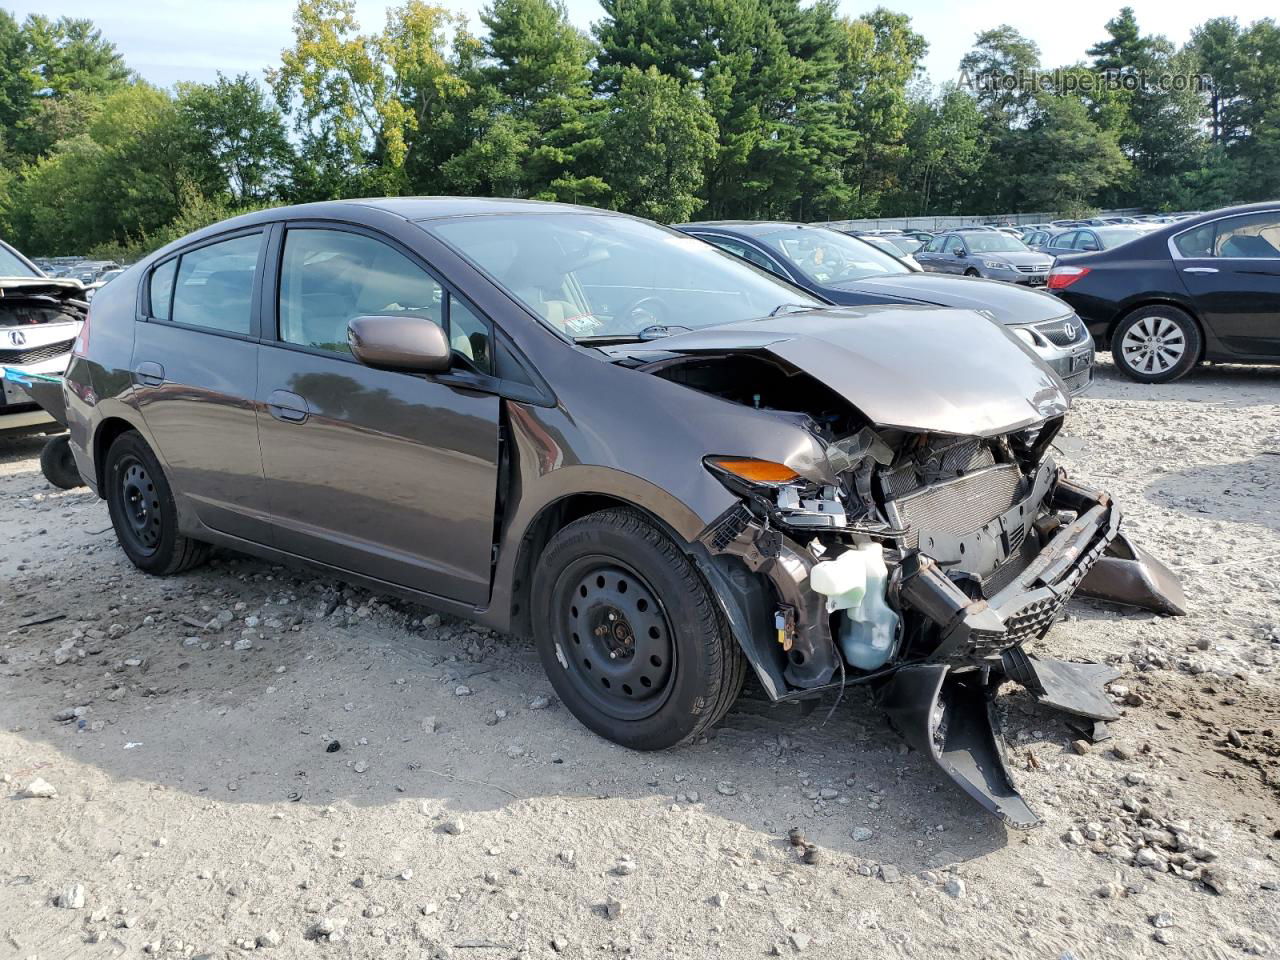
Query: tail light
point(81, 347)
point(1064, 276)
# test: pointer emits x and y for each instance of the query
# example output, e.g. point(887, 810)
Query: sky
point(171, 40)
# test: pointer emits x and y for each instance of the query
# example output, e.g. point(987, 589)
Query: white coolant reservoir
point(843, 581)
point(868, 630)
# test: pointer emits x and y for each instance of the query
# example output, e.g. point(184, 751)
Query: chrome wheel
point(1154, 345)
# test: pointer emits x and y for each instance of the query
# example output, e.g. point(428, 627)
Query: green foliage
point(657, 138)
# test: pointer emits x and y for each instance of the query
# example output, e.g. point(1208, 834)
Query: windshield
point(994, 243)
point(825, 256)
point(11, 265)
point(906, 244)
point(595, 275)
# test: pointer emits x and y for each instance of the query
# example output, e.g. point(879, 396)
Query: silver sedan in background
point(994, 255)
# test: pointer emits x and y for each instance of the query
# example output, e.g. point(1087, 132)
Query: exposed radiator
point(958, 506)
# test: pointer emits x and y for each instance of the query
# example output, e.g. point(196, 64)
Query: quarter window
point(330, 277)
point(214, 286)
point(470, 336)
point(161, 290)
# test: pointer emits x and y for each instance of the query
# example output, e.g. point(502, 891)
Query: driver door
point(388, 474)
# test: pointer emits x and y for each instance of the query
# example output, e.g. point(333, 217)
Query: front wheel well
point(1130, 311)
point(108, 431)
point(548, 522)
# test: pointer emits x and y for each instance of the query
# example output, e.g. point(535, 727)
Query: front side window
point(1255, 236)
point(602, 276)
point(214, 285)
point(935, 245)
point(330, 277)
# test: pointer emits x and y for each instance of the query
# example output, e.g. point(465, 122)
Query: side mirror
point(408, 343)
point(960, 252)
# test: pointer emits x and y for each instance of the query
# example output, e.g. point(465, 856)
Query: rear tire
point(143, 511)
point(1156, 344)
point(58, 463)
point(630, 635)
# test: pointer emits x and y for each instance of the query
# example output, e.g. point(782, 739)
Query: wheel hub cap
point(1154, 345)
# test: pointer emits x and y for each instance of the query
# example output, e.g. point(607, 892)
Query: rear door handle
point(149, 372)
point(1199, 269)
point(287, 406)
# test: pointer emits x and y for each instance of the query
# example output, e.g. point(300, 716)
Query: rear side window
point(1255, 236)
point(214, 286)
point(161, 291)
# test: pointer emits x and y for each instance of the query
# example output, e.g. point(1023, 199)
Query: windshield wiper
point(654, 332)
point(787, 307)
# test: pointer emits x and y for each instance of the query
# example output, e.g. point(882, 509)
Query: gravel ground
point(246, 758)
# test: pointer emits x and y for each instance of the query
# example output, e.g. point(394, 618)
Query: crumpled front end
point(925, 571)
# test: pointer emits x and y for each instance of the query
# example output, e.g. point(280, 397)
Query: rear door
point(388, 474)
point(195, 369)
point(1231, 269)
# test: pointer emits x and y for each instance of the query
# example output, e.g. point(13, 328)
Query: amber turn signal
point(755, 471)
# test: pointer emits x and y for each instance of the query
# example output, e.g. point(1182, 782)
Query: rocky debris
point(269, 939)
point(889, 873)
point(429, 725)
point(954, 887)
point(625, 867)
point(71, 897)
point(539, 702)
point(453, 827)
point(719, 899)
point(1081, 746)
point(1162, 919)
point(559, 944)
point(328, 929)
point(613, 908)
point(726, 789)
point(862, 834)
point(462, 690)
point(38, 789)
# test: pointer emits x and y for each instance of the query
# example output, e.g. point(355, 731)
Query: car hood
point(40, 286)
point(909, 367)
point(1004, 302)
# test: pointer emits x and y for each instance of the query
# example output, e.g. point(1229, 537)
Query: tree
point(70, 55)
point(880, 56)
point(1065, 160)
point(946, 148)
point(359, 100)
point(540, 64)
point(657, 137)
point(236, 136)
point(16, 73)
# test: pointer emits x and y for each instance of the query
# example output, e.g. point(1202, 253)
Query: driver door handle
point(287, 406)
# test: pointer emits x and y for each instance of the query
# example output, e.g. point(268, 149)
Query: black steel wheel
point(142, 509)
point(629, 633)
point(622, 653)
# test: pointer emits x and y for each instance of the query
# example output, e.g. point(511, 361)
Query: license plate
point(1037, 279)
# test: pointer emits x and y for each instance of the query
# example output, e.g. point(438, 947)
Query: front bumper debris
point(939, 691)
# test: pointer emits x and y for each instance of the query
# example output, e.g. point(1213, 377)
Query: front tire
point(143, 511)
point(1156, 344)
point(629, 634)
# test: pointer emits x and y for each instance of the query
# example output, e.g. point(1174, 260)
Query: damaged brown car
point(665, 465)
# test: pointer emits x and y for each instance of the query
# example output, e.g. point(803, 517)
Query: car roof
point(752, 228)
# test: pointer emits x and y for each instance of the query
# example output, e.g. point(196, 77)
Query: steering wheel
point(648, 306)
